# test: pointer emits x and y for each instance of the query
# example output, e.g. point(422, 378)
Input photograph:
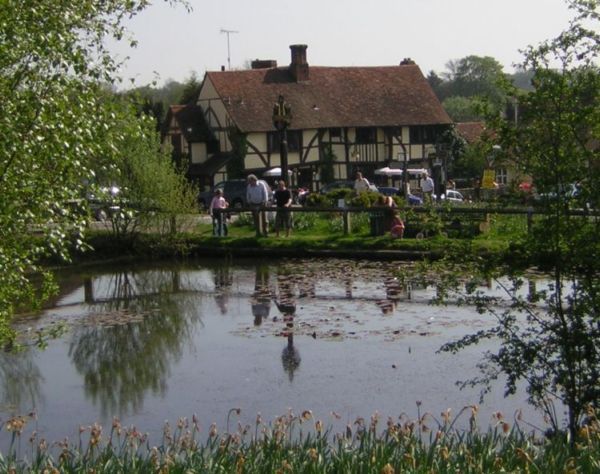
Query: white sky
point(174, 43)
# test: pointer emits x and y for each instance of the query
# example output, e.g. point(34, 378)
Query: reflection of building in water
point(532, 290)
point(261, 298)
point(223, 280)
point(348, 286)
point(395, 291)
point(306, 287)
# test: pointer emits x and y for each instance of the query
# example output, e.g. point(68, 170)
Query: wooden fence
point(453, 217)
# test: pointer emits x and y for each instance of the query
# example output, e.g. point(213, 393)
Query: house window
point(335, 134)
point(273, 142)
point(501, 176)
point(212, 146)
point(366, 135)
point(294, 141)
point(423, 134)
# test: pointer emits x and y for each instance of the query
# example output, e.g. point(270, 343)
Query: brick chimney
point(299, 66)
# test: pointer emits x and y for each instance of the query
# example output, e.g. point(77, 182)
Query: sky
point(173, 44)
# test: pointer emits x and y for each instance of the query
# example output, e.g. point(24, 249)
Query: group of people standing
point(257, 198)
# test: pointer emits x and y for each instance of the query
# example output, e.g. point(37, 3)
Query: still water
point(148, 344)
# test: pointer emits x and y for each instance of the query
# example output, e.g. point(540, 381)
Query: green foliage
point(317, 200)
point(239, 148)
point(364, 199)
point(473, 161)
point(552, 341)
point(462, 109)
point(52, 129)
point(299, 443)
point(153, 192)
point(468, 80)
point(305, 221)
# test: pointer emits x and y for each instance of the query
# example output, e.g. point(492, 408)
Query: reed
point(299, 443)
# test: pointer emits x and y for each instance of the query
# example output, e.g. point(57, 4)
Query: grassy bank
point(312, 235)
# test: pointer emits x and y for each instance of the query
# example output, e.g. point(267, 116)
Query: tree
point(328, 160)
point(52, 120)
point(153, 191)
point(554, 347)
point(239, 148)
point(466, 82)
point(191, 90)
point(462, 109)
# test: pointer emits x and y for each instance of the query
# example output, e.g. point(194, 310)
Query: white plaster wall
point(199, 153)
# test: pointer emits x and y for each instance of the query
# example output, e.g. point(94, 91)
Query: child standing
point(218, 217)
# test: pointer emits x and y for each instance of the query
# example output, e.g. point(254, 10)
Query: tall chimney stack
point(299, 66)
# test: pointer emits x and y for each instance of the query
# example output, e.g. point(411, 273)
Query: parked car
point(104, 203)
point(392, 191)
point(343, 184)
point(234, 191)
point(453, 196)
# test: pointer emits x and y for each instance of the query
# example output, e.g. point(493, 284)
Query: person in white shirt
point(361, 184)
point(219, 218)
point(257, 197)
point(427, 186)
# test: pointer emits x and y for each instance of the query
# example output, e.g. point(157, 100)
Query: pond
point(158, 342)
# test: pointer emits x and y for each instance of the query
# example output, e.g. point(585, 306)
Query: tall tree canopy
point(554, 347)
point(52, 123)
point(466, 83)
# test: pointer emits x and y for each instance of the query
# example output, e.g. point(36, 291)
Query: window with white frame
point(501, 176)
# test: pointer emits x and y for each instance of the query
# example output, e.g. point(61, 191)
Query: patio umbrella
point(275, 172)
point(387, 171)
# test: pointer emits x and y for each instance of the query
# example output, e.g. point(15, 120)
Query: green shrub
point(317, 200)
point(305, 220)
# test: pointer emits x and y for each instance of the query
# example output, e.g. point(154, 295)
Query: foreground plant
point(298, 443)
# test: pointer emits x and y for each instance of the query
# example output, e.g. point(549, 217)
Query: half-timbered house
point(347, 118)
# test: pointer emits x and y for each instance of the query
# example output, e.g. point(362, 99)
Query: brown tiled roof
point(332, 97)
point(191, 122)
point(470, 131)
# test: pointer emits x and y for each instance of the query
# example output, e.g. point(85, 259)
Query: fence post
point(346, 220)
point(529, 219)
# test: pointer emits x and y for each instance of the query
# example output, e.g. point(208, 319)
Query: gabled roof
point(331, 97)
point(190, 121)
point(471, 131)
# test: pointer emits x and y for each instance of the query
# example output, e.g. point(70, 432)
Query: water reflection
point(286, 304)
point(223, 279)
point(125, 348)
point(20, 382)
point(137, 335)
point(261, 298)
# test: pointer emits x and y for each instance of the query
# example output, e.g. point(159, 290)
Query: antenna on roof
point(228, 32)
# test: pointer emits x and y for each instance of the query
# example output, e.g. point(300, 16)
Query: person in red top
point(397, 231)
